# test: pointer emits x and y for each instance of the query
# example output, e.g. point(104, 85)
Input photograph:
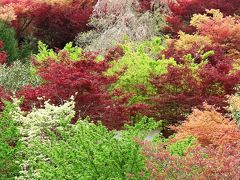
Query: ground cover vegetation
point(107, 89)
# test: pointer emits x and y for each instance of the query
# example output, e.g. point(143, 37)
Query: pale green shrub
point(73, 52)
point(113, 21)
point(234, 106)
point(17, 75)
point(137, 64)
point(180, 147)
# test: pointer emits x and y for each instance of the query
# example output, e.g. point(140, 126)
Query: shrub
point(56, 149)
point(224, 31)
point(212, 29)
point(37, 124)
point(114, 53)
point(186, 42)
point(85, 80)
point(146, 5)
point(3, 55)
point(7, 36)
point(74, 53)
point(53, 23)
point(205, 146)
point(136, 66)
point(7, 13)
point(9, 143)
point(209, 127)
point(13, 77)
point(183, 10)
point(203, 163)
point(234, 107)
point(181, 146)
point(115, 21)
point(181, 88)
point(13, 50)
point(216, 72)
point(6, 95)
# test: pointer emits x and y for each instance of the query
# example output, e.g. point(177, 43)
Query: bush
point(205, 146)
point(183, 10)
point(135, 68)
point(3, 55)
point(209, 127)
point(234, 107)
point(181, 89)
point(13, 50)
point(181, 146)
point(13, 77)
point(10, 145)
point(212, 30)
point(56, 149)
point(115, 21)
point(37, 124)
point(207, 68)
point(85, 80)
point(223, 32)
point(7, 36)
point(6, 95)
point(7, 13)
point(200, 162)
point(53, 22)
point(73, 53)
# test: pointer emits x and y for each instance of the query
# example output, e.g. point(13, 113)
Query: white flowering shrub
point(89, 151)
point(36, 126)
point(53, 148)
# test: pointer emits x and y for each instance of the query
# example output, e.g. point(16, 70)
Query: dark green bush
point(7, 35)
point(15, 51)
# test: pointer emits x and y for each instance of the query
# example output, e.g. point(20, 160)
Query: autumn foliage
point(215, 155)
point(202, 162)
point(114, 94)
point(207, 68)
point(54, 22)
point(183, 10)
point(83, 80)
point(3, 54)
point(180, 89)
point(209, 127)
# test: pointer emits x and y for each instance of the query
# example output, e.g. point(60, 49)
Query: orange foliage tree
point(209, 127)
